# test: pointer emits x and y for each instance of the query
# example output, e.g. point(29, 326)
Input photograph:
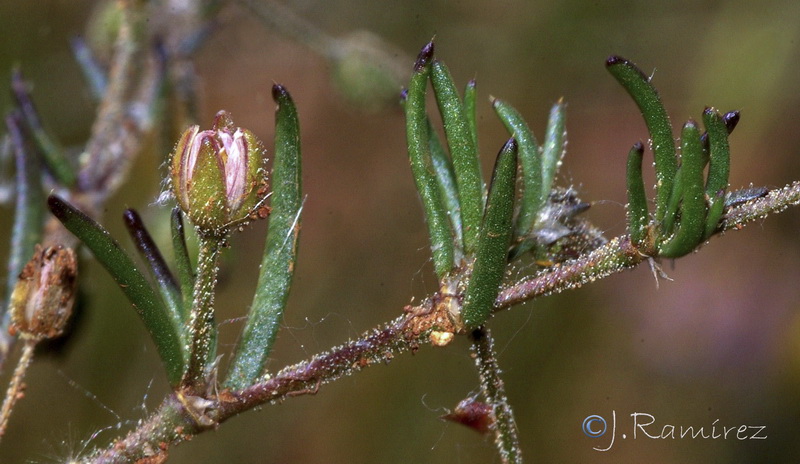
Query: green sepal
point(689, 233)
point(133, 284)
point(422, 166)
point(718, 168)
point(206, 191)
point(492, 253)
point(462, 151)
point(638, 85)
point(637, 198)
point(532, 198)
point(280, 254)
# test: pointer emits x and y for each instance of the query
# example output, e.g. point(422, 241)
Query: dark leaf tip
point(424, 57)
point(279, 91)
point(615, 59)
point(55, 203)
point(511, 144)
point(131, 217)
point(731, 120)
point(638, 146)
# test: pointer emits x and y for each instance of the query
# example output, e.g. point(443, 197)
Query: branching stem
point(172, 424)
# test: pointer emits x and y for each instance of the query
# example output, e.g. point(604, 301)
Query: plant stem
point(505, 428)
point(28, 215)
point(172, 424)
point(202, 329)
point(620, 254)
point(101, 157)
point(14, 391)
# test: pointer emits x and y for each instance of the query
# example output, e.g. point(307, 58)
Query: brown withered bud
point(44, 294)
point(474, 414)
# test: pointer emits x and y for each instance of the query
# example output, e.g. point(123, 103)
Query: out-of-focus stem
point(14, 391)
point(52, 153)
point(28, 214)
point(283, 19)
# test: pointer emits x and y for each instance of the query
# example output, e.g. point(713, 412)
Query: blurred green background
point(719, 342)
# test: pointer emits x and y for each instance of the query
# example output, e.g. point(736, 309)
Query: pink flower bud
point(219, 176)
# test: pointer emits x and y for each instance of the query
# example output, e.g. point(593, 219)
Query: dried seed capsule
point(44, 295)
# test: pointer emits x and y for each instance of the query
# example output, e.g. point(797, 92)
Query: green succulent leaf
point(470, 102)
point(492, 254)
point(718, 168)
point(638, 85)
point(422, 166)
point(280, 254)
point(637, 198)
point(463, 152)
point(729, 121)
point(693, 209)
point(148, 305)
point(166, 283)
point(671, 214)
point(554, 147)
point(446, 177)
point(183, 263)
point(533, 196)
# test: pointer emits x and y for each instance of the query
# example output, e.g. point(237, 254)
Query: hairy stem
point(172, 423)
point(505, 428)
point(202, 334)
point(620, 254)
point(16, 386)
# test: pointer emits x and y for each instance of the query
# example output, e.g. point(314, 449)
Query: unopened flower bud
point(44, 295)
point(219, 176)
